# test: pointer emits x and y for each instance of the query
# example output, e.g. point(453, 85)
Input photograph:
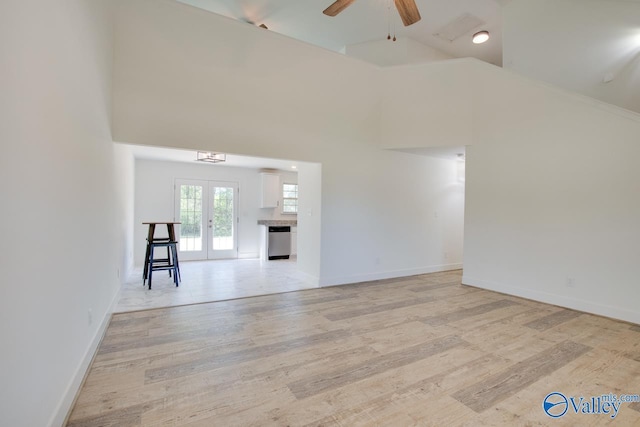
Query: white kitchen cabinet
point(270, 190)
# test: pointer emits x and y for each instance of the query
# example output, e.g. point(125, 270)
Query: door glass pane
point(223, 218)
point(191, 218)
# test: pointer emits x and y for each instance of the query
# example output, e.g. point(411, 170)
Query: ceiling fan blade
point(337, 7)
point(408, 11)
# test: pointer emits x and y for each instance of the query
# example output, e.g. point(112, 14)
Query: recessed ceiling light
point(480, 37)
point(294, 167)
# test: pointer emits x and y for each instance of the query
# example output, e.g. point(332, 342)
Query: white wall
point(387, 53)
point(309, 218)
point(186, 78)
point(552, 211)
point(154, 199)
point(62, 216)
point(125, 187)
point(388, 214)
point(426, 105)
point(204, 80)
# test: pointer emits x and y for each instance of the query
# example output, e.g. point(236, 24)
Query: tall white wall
point(125, 188)
point(62, 215)
point(387, 53)
point(309, 218)
point(187, 78)
point(204, 80)
point(552, 211)
point(155, 199)
point(388, 214)
point(426, 105)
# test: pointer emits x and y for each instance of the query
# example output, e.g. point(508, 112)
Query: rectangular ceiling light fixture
point(209, 157)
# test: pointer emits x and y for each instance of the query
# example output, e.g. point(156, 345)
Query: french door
point(208, 213)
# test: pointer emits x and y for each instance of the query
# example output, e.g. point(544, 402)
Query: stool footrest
point(163, 267)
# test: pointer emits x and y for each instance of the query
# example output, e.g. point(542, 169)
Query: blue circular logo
point(555, 404)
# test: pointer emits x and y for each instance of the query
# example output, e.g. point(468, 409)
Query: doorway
point(208, 213)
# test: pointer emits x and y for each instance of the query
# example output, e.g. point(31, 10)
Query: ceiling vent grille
point(460, 26)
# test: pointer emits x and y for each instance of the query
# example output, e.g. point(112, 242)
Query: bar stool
point(170, 263)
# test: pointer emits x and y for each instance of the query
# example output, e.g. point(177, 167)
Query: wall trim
point(248, 255)
point(63, 410)
point(333, 281)
point(555, 299)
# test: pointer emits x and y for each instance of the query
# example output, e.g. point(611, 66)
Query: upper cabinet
point(270, 190)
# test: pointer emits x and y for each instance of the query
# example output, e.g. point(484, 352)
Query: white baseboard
point(248, 255)
point(68, 399)
point(559, 300)
point(332, 281)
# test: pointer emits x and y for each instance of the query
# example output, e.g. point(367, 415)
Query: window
point(290, 198)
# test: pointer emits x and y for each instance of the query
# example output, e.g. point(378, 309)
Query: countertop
point(278, 222)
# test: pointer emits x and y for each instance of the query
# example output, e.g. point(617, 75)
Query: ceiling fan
point(406, 8)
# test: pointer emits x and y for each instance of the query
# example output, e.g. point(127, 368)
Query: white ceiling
point(590, 47)
point(368, 20)
point(586, 46)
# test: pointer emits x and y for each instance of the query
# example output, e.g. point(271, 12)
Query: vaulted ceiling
point(591, 47)
point(372, 20)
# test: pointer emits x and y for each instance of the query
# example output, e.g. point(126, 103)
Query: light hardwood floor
point(423, 350)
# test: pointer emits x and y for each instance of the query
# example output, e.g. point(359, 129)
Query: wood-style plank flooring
point(417, 351)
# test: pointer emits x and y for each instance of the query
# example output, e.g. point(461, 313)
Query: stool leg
point(150, 267)
point(145, 272)
point(169, 256)
point(150, 234)
point(175, 263)
point(175, 259)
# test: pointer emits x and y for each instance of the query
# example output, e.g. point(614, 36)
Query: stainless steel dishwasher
point(279, 242)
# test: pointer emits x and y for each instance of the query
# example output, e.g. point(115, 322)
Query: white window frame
point(289, 198)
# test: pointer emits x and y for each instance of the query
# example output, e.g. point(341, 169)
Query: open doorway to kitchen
point(221, 208)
